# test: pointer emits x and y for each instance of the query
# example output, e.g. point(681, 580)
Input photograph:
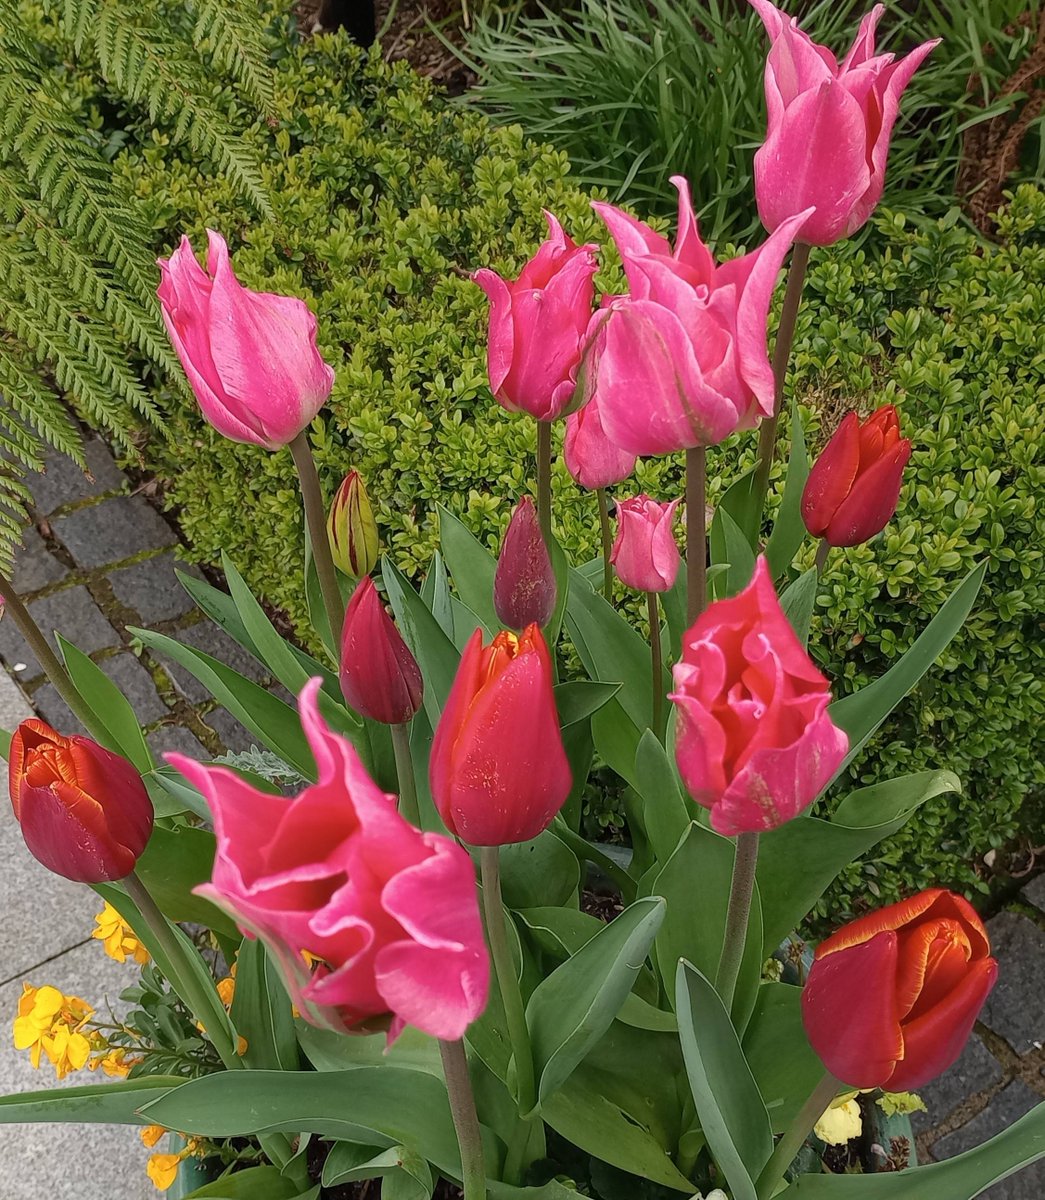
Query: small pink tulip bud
point(645, 554)
point(524, 590)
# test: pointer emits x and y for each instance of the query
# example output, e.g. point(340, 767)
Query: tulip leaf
point(350, 1163)
point(109, 705)
point(175, 861)
point(665, 811)
point(435, 592)
point(265, 715)
point(261, 1011)
point(960, 1178)
point(732, 1115)
point(797, 601)
point(560, 932)
point(861, 713)
point(783, 1063)
point(798, 861)
point(575, 1005)
point(616, 738)
point(581, 698)
point(112, 1103)
point(789, 529)
point(740, 502)
point(255, 1183)
point(541, 871)
point(472, 567)
point(327, 1050)
point(273, 650)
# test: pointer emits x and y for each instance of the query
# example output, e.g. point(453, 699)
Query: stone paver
point(974, 1072)
point(1008, 1106)
point(152, 589)
point(1034, 892)
point(73, 613)
point(177, 738)
point(35, 566)
point(1016, 1007)
point(62, 481)
point(112, 530)
point(231, 732)
point(129, 676)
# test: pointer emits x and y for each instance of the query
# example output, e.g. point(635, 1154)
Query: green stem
point(544, 480)
point(789, 1145)
point(47, 659)
point(822, 551)
point(316, 517)
point(607, 543)
point(696, 533)
point(656, 660)
point(405, 771)
point(507, 979)
point(466, 1122)
point(741, 891)
point(586, 852)
point(796, 276)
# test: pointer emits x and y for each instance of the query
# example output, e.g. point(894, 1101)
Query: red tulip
point(853, 488)
point(83, 810)
point(379, 676)
point(892, 997)
point(524, 590)
point(498, 770)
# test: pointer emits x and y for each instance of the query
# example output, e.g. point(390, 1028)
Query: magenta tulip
point(645, 554)
point(524, 589)
point(829, 126)
point(682, 360)
point(754, 741)
point(250, 357)
point(373, 923)
point(591, 458)
point(379, 676)
point(538, 324)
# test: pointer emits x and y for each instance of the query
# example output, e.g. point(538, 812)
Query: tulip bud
point(645, 554)
point(352, 529)
point(84, 811)
point(853, 488)
point(379, 676)
point(524, 588)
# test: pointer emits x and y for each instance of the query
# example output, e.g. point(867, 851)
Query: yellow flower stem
point(316, 517)
point(790, 1144)
point(696, 533)
point(466, 1122)
point(741, 892)
point(607, 543)
point(405, 771)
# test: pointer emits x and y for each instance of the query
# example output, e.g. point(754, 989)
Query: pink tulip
point(591, 458)
point(537, 326)
point(251, 357)
point(372, 922)
point(682, 360)
point(645, 554)
point(754, 742)
point(829, 126)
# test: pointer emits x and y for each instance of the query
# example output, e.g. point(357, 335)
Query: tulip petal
point(862, 49)
point(832, 476)
point(633, 239)
point(448, 730)
point(871, 501)
point(690, 248)
point(65, 829)
point(591, 458)
point(501, 340)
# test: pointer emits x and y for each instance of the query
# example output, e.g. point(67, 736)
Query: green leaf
point(96, 1104)
point(109, 705)
point(665, 810)
point(261, 1011)
point(435, 592)
point(861, 713)
point(960, 1178)
point(731, 1113)
point(617, 738)
point(330, 1051)
point(182, 796)
point(729, 545)
point(789, 529)
point(798, 860)
point(175, 861)
point(349, 1163)
point(581, 698)
point(573, 1007)
point(541, 871)
point(471, 566)
point(255, 1183)
point(777, 1050)
point(559, 932)
point(273, 650)
point(797, 601)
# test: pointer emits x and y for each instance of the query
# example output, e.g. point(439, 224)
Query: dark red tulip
point(524, 588)
point(379, 676)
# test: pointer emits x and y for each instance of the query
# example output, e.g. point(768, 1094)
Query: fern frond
point(77, 18)
point(229, 31)
point(33, 407)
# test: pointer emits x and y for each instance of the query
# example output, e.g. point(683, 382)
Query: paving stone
point(76, 617)
point(62, 481)
point(206, 636)
point(176, 738)
point(112, 530)
point(129, 676)
point(233, 735)
point(975, 1070)
point(1015, 1008)
point(152, 589)
point(35, 566)
point(1034, 892)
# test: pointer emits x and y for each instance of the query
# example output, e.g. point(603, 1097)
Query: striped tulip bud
point(352, 529)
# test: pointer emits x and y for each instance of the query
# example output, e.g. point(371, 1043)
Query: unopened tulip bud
point(524, 588)
point(645, 554)
point(379, 676)
point(352, 529)
point(84, 811)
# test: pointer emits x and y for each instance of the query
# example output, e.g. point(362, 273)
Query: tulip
point(373, 923)
point(524, 589)
point(681, 362)
point(645, 554)
point(251, 357)
point(351, 529)
point(754, 743)
point(379, 676)
point(538, 324)
point(829, 126)
point(591, 458)
point(84, 811)
point(853, 488)
point(498, 770)
point(892, 997)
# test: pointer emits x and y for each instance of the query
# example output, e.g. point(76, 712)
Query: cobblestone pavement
point(100, 559)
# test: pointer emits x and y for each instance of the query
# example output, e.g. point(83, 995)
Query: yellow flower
point(150, 1135)
point(162, 1169)
point(118, 937)
point(50, 1022)
point(67, 1050)
point(115, 1063)
point(226, 990)
point(38, 1008)
point(842, 1121)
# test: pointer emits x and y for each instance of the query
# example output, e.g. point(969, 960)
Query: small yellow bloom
point(116, 1063)
point(118, 937)
point(162, 1169)
point(226, 990)
point(841, 1123)
point(150, 1135)
point(38, 1009)
point(49, 1022)
point(67, 1050)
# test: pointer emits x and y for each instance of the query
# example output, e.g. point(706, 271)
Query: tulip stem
point(656, 660)
point(316, 518)
point(789, 1145)
point(734, 939)
point(796, 277)
point(607, 542)
point(466, 1121)
point(822, 551)
point(47, 659)
point(507, 979)
point(405, 771)
point(544, 481)
point(696, 533)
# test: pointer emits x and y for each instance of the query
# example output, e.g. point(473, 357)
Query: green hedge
point(386, 198)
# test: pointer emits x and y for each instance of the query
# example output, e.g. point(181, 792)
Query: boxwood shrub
point(386, 198)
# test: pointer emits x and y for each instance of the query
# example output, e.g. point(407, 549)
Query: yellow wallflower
point(38, 1009)
point(117, 937)
point(226, 990)
point(150, 1135)
point(842, 1122)
point(162, 1169)
point(116, 1063)
point(67, 1050)
point(49, 1022)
